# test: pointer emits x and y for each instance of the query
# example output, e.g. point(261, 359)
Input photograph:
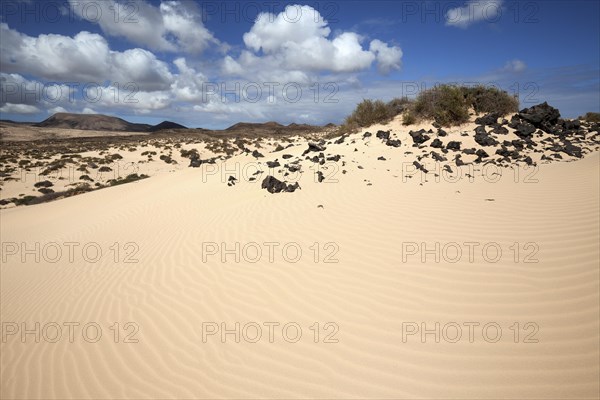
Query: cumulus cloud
point(297, 40)
point(514, 66)
point(388, 58)
point(10, 108)
point(84, 57)
point(474, 11)
point(172, 26)
point(88, 110)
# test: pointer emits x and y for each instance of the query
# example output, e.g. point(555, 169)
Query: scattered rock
point(274, 185)
point(420, 166)
point(488, 119)
point(483, 138)
point(313, 147)
point(541, 116)
point(453, 146)
point(437, 143)
point(383, 135)
point(43, 184)
point(418, 136)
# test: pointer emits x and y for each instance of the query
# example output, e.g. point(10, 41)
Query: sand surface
point(369, 286)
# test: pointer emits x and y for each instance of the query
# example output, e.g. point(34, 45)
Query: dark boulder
point(420, 166)
point(541, 116)
point(195, 162)
point(482, 153)
point(393, 143)
point(383, 135)
point(274, 185)
point(453, 145)
point(418, 136)
point(437, 157)
point(488, 119)
point(483, 138)
point(257, 154)
point(313, 147)
point(437, 143)
point(320, 176)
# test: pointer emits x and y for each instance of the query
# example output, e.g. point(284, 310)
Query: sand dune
point(368, 287)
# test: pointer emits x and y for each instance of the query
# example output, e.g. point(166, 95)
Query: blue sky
point(147, 60)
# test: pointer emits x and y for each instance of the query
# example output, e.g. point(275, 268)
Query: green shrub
point(399, 105)
point(446, 104)
point(591, 117)
point(367, 113)
point(409, 118)
point(485, 99)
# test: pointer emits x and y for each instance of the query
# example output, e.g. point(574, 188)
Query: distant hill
point(166, 125)
point(271, 127)
point(95, 122)
point(254, 125)
point(100, 122)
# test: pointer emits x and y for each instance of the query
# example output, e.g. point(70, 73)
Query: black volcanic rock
point(481, 153)
point(437, 143)
point(453, 145)
point(483, 138)
point(383, 135)
point(313, 147)
point(418, 136)
point(488, 119)
point(257, 154)
point(541, 116)
point(393, 143)
point(437, 157)
point(274, 185)
point(420, 166)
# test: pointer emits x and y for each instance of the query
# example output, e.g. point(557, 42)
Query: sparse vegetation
point(591, 117)
point(450, 105)
point(369, 112)
point(129, 178)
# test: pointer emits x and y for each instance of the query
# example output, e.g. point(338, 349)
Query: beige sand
point(371, 294)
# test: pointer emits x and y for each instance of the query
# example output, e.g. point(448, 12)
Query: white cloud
point(296, 42)
point(388, 58)
point(10, 108)
point(514, 66)
point(172, 26)
point(88, 110)
point(474, 11)
point(84, 57)
point(57, 110)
